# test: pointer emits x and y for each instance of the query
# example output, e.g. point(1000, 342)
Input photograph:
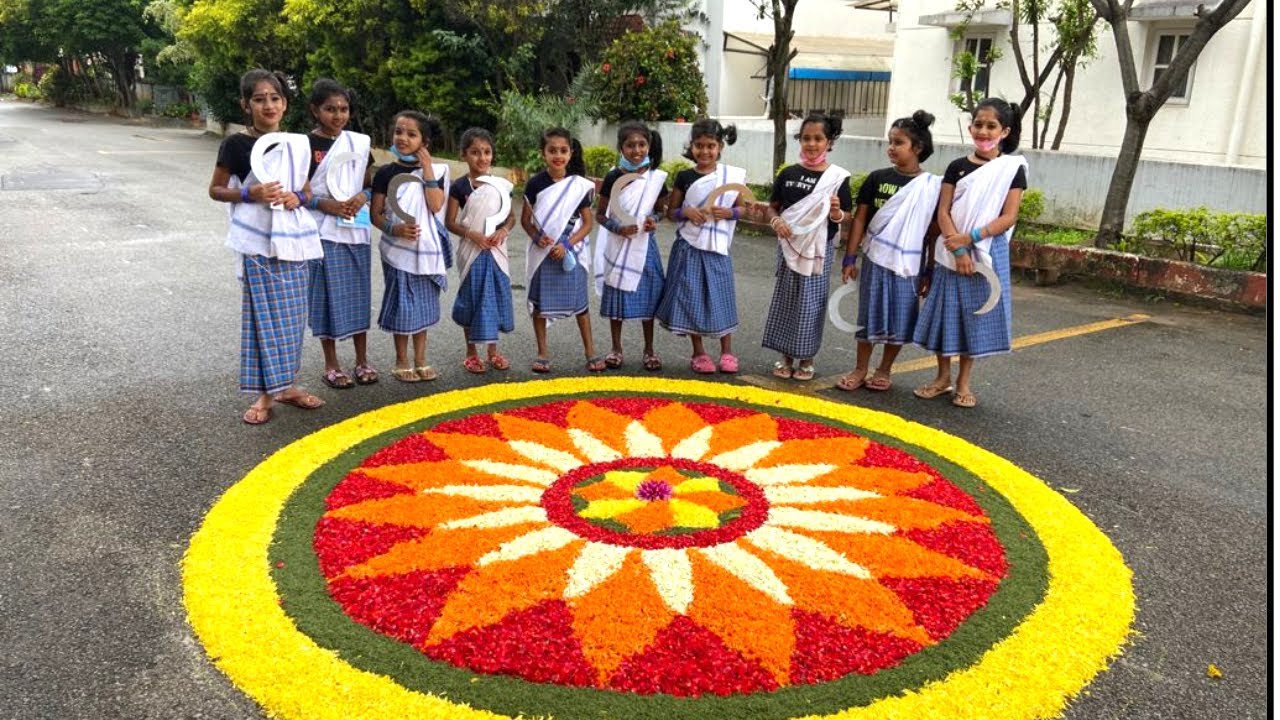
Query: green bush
point(1230, 240)
point(1053, 234)
point(521, 120)
point(178, 110)
point(146, 107)
point(27, 90)
point(855, 184)
point(599, 158)
point(649, 75)
point(673, 168)
point(1032, 205)
point(57, 86)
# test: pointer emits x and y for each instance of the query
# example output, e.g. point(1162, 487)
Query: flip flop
point(541, 366)
point(498, 362)
point(595, 364)
point(408, 375)
point(474, 364)
point(256, 416)
point(365, 374)
point(965, 400)
point(702, 364)
point(930, 391)
point(879, 381)
point(426, 372)
point(303, 399)
point(653, 363)
point(782, 369)
point(849, 383)
point(728, 363)
point(337, 380)
point(613, 360)
point(804, 373)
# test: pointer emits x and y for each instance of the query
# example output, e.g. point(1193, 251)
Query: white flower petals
point(531, 543)
point(745, 457)
point(596, 563)
point(672, 575)
point(641, 442)
point(591, 447)
point(810, 495)
point(695, 446)
point(833, 522)
point(811, 553)
point(512, 471)
point(500, 518)
point(543, 455)
point(511, 493)
point(787, 474)
point(749, 569)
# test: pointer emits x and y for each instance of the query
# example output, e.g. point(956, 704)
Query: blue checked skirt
point(641, 303)
point(410, 303)
point(887, 305)
point(798, 309)
point(340, 291)
point(947, 325)
point(483, 305)
point(273, 316)
point(699, 296)
point(554, 293)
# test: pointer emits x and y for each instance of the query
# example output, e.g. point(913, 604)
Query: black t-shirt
point(686, 178)
point(233, 154)
point(541, 182)
point(320, 146)
point(879, 186)
point(612, 177)
point(796, 182)
point(963, 166)
point(460, 190)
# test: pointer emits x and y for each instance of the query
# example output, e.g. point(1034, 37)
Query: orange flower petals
point(620, 617)
point(764, 634)
point(896, 556)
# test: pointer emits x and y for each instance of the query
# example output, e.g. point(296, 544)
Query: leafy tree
point(261, 40)
point(650, 75)
point(1140, 105)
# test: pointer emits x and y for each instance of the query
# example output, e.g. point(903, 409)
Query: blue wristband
point(737, 213)
point(975, 234)
point(315, 202)
point(302, 199)
point(680, 213)
point(962, 250)
point(850, 259)
point(612, 225)
point(244, 194)
point(431, 183)
point(368, 195)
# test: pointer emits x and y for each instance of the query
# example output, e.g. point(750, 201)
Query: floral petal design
point(592, 447)
point(749, 569)
point(597, 563)
point(539, 541)
point(672, 575)
point(694, 447)
point(805, 550)
point(641, 442)
point(746, 456)
point(817, 520)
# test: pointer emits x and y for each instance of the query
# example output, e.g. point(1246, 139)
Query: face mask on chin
point(986, 145)
point(401, 157)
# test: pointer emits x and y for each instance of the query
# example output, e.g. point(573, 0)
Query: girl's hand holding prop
point(275, 141)
point(619, 213)
point(492, 222)
point(393, 195)
point(709, 207)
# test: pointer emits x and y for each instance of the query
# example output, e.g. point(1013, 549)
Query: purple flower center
point(654, 490)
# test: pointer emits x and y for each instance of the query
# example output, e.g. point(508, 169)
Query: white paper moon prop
point(993, 282)
point(833, 307)
point(393, 196)
point(336, 161)
point(503, 187)
point(616, 210)
point(742, 190)
point(257, 159)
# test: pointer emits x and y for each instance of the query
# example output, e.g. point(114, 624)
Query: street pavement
point(119, 341)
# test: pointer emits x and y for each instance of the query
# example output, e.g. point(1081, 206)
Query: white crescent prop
point(615, 202)
point(492, 222)
point(743, 191)
point(993, 282)
point(812, 222)
point(332, 180)
point(833, 307)
point(257, 159)
point(393, 196)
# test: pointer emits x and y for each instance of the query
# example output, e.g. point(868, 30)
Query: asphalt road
point(119, 339)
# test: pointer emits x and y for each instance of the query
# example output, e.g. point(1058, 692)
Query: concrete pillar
point(1244, 95)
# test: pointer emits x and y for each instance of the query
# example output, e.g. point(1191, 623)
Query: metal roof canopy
point(1156, 10)
point(985, 19)
point(817, 52)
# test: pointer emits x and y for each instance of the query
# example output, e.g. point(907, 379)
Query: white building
point(1220, 117)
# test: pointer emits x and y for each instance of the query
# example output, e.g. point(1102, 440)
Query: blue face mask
point(629, 166)
point(403, 158)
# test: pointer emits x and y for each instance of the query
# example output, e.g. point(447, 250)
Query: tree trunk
point(1135, 133)
point(1037, 141)
point(1066, 105)
point(1049, 107)
point(780, 61)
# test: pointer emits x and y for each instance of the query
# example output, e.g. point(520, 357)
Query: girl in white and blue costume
point(977, 211)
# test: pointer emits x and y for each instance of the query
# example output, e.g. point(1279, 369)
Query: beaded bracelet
point(244, 194)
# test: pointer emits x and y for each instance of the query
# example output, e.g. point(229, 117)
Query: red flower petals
point(941, 604)
point(472, 425)
point(715, 414)
point(880, 455)
point(358, 487)
point(633, 407)
point(537, 644)
point(688, 660)
point(941, 492)
point(412, 449)
point(340, 543)
point(827, 650)
point(401, 606)
point(556, 413)
point(971, 543)
point(792, 429)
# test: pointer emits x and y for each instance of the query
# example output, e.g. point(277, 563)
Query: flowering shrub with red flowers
point(649, 75)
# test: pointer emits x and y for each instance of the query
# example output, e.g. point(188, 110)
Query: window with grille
point(980, 83)
point(1167, 46)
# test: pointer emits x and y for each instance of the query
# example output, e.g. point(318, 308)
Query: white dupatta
point(484, 201)
point(430, 254)
point(619, 261)
point(714, 235)
point(349, 177)
point(555, 208)
point(256, 229)
point(978, 200)
point(806, 253)
point(895, 235)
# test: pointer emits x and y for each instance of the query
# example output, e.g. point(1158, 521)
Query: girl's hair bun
point(922, 119)
point(731, 134)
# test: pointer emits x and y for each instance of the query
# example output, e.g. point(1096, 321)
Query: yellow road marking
point(927, 363)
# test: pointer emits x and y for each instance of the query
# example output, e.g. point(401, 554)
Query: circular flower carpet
point(637, 548)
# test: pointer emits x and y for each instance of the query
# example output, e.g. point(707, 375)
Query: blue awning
point(801, 73)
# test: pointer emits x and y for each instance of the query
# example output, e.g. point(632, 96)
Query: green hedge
point(1219, 239)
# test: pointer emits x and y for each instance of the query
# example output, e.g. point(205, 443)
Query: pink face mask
point(986, 145)
point(813, 161)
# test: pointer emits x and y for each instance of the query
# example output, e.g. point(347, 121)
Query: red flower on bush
point(605, 68)
point(640, 80)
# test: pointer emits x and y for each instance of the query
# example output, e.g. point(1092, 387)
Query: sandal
point(728, 363)
point(702, 364)
point(596, 364)
point(653, 363)
point(498, 362)
point(613, 360)
point(852, 381)
point(256, 415)
point(365, 374)
point(542, 366)
point(804, 373)
point(302, 399)
point(879, 381)
point(782, 369)
point(965, 400)
point(405, 374)
point(474, 364)
point(337, 379)
point(426, 372)
point(931, 391)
